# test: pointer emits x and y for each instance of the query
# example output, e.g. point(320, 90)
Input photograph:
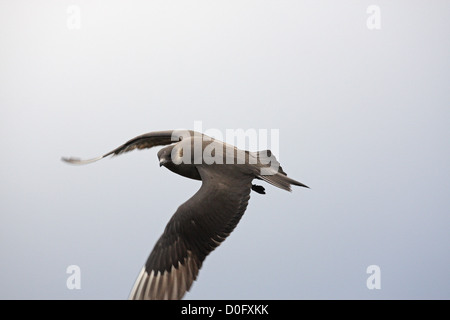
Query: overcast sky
point(360, 98)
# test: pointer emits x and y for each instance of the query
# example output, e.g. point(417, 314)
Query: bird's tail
point(270, 171)
point(281, 181)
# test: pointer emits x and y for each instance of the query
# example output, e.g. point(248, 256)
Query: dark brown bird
point(205, 220)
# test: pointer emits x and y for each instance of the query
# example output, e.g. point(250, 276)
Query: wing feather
point(144, 141)
point(197, 228)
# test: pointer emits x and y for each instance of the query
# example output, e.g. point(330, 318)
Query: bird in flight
point(205, 220)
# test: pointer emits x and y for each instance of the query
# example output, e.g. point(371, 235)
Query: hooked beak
point(163, 162)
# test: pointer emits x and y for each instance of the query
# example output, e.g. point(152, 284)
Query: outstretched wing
point(197, 228)
point(144, 141)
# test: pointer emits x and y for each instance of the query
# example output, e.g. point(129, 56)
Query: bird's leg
point(259, 189)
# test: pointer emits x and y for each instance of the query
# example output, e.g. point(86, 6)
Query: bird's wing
point(197, 228)
point(144, 141)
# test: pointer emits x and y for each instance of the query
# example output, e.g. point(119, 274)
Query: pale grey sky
point(363, 119)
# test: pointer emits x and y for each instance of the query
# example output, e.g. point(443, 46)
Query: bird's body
point(205, 220)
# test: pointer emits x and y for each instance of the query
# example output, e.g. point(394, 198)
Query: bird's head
point(165, 156)
point(171, 157)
